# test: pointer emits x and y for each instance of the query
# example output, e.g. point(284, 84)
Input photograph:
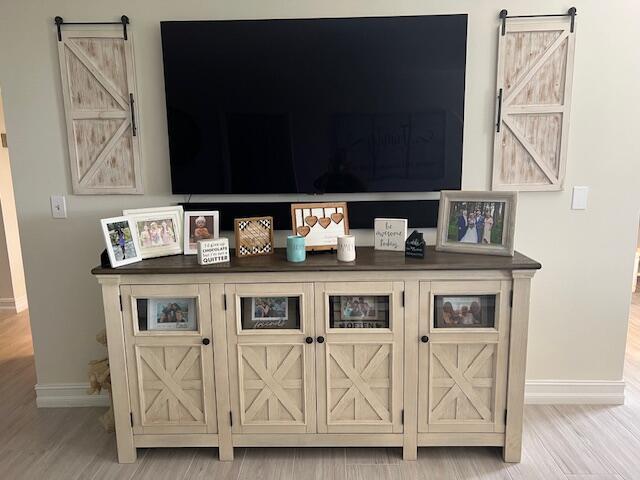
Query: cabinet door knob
point(206, 341)
point(320, 339)
point(308, 340)
point(424, 339)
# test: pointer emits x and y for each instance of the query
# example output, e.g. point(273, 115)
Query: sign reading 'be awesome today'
point(390, 234)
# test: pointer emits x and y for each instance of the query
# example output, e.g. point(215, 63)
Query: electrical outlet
point(58, 206)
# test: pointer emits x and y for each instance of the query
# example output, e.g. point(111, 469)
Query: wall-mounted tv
point(370, 104)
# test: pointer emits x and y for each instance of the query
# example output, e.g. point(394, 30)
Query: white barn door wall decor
point(534, 77)
point(98, 86)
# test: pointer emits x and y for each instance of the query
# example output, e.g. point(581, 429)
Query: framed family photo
point(199, 226)
point(121, 240)
point(159, 230)
point(172, 314)
point(477, 222)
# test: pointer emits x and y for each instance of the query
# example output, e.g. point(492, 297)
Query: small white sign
point(213, 251)
point(390, 234)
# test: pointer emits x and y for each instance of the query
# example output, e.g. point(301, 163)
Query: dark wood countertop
point(367, 259)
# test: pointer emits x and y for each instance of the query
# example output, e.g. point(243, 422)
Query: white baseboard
point(540, 392)
point(565, 392)
point(15, 305)
point(55, 395)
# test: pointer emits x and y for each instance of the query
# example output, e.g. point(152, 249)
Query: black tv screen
point(315, 105)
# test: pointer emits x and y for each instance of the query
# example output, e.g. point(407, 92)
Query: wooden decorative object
point(254, 236)
point(535, 70)
point(320, 223)
point(99, 93)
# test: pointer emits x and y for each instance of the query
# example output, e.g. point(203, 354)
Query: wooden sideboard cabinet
point(383, 351)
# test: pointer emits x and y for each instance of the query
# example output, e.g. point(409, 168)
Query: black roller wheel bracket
point(572, 12)
point(124, 21)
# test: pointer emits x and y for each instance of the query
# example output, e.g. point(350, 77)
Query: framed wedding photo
point(121, 240)
point(477, 222)
point(159, 230)
point(199, 226)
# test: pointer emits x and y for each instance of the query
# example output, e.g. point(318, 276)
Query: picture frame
point(172, 314)
point(159, 230)
point(269, 311)
point(477, 222)
point(254, 236)
point(320, 223)
point(200, 225)
point(475, 311)
point(121, 240)
point(390, 234)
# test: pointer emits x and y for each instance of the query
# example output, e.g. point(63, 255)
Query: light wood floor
point(561, 442)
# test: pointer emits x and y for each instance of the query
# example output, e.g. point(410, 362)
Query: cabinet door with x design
point(270, 330)
point(464, 331)
point(359, 356)
point(169, 358)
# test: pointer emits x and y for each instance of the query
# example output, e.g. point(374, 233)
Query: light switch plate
point(58, 206)
point(579, 199)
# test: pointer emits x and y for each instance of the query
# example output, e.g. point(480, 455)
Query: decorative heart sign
point(320, 224)
point(324, 222)
point(304, 231)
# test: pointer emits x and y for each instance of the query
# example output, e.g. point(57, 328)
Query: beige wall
point(580, 298)
point(12, 283)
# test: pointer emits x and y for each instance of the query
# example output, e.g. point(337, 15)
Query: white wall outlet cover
point(579, 199)
point(58, 206)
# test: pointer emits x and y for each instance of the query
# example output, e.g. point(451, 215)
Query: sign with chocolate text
point(213, 251)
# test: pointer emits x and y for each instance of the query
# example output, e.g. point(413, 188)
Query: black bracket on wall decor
point(572, 12)
point(124, 21)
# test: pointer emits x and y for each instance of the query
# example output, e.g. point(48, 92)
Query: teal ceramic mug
point(295, 248)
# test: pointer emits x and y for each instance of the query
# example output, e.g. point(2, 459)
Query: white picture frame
point(390, 234)
point(191, 237)
point(159, 316)
point(121, 240)
point(159, 230)
point(498, 239)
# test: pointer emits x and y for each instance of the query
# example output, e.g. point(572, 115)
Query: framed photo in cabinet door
point(171, 374)
point(164, 310)
point(464, 341)
point(270, 329)
point(359, 357)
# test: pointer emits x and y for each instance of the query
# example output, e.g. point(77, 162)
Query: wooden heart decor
point(324, 222)
point(337, 217)
point(304, 231)
point(320, 223)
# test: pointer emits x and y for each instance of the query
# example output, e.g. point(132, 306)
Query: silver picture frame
point(446, 240)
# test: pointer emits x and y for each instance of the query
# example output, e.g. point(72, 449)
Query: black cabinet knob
point(206, 341)
point(424, 339)
point(308, 340)
point(320, 339)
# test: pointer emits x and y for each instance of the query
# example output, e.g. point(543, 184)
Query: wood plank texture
point(367, 260)
point(560, 442)
point(534, 74)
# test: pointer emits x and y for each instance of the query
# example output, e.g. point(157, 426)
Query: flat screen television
point(314, 106)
